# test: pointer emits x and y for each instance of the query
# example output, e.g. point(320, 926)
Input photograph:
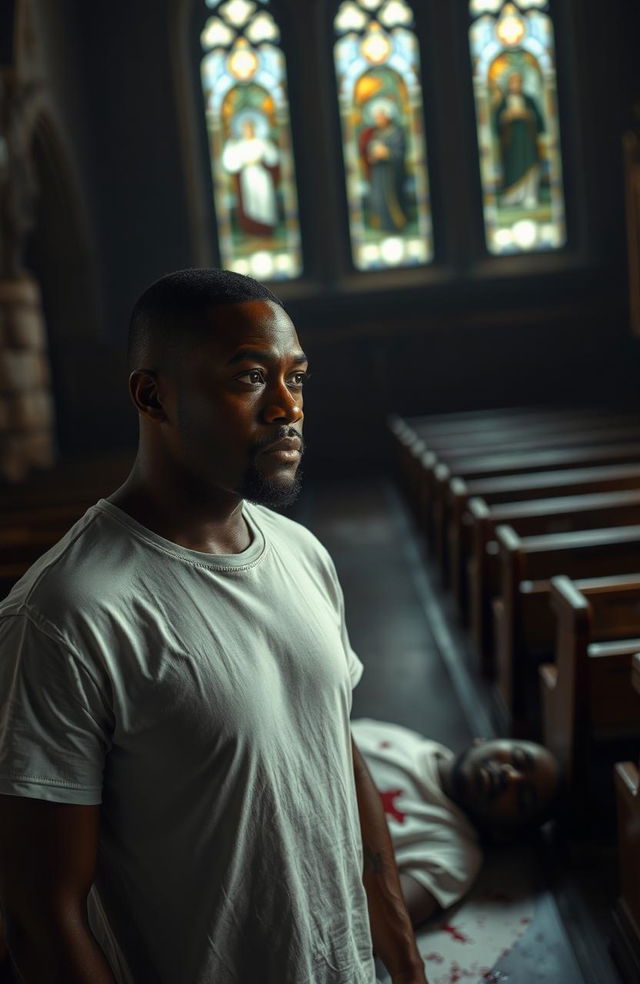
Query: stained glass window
point(378, 71)
point(514, 74)
point(245, 92)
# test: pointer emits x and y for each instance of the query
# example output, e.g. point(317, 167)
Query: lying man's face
point(505, 784)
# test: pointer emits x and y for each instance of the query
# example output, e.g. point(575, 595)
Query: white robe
point(246, 157)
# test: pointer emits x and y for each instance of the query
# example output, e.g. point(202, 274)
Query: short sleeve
point(356, 668)
point(446, 870)
point(55, 719)
point(354, 664)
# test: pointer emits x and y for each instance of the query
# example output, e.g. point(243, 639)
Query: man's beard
point(258, 488)
point(264, 491)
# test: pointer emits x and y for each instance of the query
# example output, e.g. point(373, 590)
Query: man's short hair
point(174, 309)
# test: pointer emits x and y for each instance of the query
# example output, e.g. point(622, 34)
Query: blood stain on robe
point(389, 806)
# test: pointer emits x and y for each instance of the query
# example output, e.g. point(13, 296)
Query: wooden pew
point(626, 914)
point(479, 432)
point(417, 436)
point(482, 420)
point(427, 437)
point(586, 693)
point(560, 435)
point(532, 518)
point(524, 626)
point(496, 465)
point(438, 461)
point(490, 426)
point(408, 449)
point(570, 437)
point(516, 488)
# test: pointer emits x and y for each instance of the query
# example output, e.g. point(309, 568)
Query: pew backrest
point(635, 672)
point(586, 693)
point(524, 619)
point(536, 517)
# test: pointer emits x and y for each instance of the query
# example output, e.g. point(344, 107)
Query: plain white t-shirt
point(204, 701)
point(433, 840)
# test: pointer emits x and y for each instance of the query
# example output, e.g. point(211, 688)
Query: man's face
point(515, 83)
point(504, 782)
point(236, 424)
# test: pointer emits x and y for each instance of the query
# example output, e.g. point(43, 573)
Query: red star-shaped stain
point(389, 806)
point(384, 744)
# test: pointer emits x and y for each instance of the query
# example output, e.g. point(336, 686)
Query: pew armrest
point(627, 779)
point(635, 672)
point(548, 676)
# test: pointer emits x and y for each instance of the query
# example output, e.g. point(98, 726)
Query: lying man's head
point(505, 786)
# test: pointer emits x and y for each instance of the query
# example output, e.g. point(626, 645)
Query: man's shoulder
point(68, 574)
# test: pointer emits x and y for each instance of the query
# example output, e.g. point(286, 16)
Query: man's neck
point(213, 525)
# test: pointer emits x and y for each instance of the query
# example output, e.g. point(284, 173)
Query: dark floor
point(419, 673)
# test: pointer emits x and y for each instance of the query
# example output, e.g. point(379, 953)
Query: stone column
point(27, 422)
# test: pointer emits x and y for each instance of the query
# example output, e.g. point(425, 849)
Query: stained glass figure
point(378, 71)
point(514, 74)
point(245, 90)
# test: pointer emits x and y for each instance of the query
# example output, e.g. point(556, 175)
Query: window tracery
point(377, 65)
point(243, 73)
point(514, 77)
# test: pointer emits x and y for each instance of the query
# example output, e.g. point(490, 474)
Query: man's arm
point(420, 903)
point(391, 929)
point(47, 865)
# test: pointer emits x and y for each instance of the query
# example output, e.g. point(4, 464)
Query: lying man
point(439, 806)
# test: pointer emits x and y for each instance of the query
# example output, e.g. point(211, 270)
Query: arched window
point(244, 81)
point(514, 74)
point(377, 65)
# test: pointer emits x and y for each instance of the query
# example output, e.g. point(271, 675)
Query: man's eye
point(252, 376)
point(299, 378)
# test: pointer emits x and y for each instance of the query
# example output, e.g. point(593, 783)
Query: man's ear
point(145, 393)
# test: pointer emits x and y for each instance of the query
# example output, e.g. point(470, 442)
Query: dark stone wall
point(469, 332)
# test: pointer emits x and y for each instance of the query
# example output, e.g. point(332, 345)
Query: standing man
point(182, 801)
point(518, 125)
point(383, 149)
point(253, 161)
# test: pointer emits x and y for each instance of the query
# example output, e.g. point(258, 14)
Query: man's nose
point(283, 405)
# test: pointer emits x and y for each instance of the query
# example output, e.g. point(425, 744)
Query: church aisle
point(415, 660)
point(355, 521)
